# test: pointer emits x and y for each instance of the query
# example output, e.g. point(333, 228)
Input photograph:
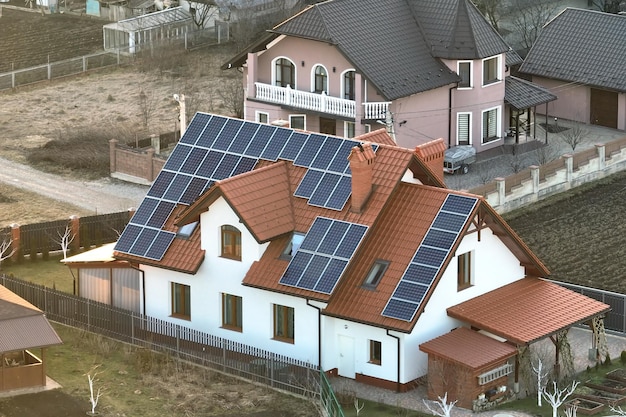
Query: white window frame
point(467, 273)
point(313, 78)
point(469, 127)
point(498, 70)
point(471, 74)
point(293, 116)
point(295, 71)
point(498, 110)
point(368, 128)
point(259, 114)
point(346, 129)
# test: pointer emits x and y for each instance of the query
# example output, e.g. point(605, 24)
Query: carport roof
point(527, 310)
point(521, 94)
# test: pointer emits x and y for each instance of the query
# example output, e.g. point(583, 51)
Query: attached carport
point(530, 310)
point(521, 96)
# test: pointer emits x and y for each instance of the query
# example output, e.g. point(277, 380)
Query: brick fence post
point(500, 188)
point(75, 232)
point(534, 176)
point(112, 156)
point(569, 167)
point(15, 241)
point(601, 149)
point(150, 164)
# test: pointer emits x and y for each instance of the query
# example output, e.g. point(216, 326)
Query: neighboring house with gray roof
point(580, 56)
point(423, 69)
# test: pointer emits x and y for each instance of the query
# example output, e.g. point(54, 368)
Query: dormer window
point(375, 273)
point(231, 242)
point(293, 245)
point(491, 70)
point(186, 231)
point(465, 72)
point(320, 80)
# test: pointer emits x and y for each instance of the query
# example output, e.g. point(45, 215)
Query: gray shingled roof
point(457, 30)
point(581, 46)
point(522, 94)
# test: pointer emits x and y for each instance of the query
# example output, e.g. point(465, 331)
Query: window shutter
point(493, 124)
point(463, 128)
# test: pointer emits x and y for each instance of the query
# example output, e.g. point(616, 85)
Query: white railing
point(495, 374)
point(319, 102)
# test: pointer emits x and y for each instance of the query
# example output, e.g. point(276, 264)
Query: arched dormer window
point(231, 242)
point(320, 80)
point(348, 84)
point(284, 73)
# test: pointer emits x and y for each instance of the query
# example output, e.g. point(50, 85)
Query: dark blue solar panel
point(325, 188)
point(242, 140)
point(340, 196)
point(144, 212)
point(309, 151)
point(194, 189)
point(399, 309)
point(410, 291)
point(329, 279)
point(177, 188)
point(161, 213)
point(350, 241)
point(226, 167)
point(160, 245)
point(259, 140)
point(439, 239)
point(326, 153)
point(127, 238)
point(211, 131)
point(449, 221)
point(313, 271)
point(333, 238)
point(316, 233)
point(308, 183)
point(430, 256)
point(177, 157)
point(244, 165)
point(210, 164)
point(295, 269)
point(161, 184)
point(195, 128)
point(459, 204)
point(420, 274)
point(276, 144)
point(193, 161)
point(143, 242)
point(227, 134)
point(340, 160)
point(293, 146)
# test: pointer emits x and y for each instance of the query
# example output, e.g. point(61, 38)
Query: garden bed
point(617, 375)
point(607, 384)
point(584, 405)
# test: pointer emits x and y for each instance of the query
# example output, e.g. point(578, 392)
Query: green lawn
point(52, 272)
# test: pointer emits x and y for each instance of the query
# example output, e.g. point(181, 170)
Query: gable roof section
point(22, 325)
point(522, 94)
point(381, 39)
point(527, 310)
point(581, 46)
point(455, 29)
point(470, 348)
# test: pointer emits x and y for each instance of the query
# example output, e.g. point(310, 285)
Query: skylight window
point(293, 245)
point(376, 273)
point(186, 230)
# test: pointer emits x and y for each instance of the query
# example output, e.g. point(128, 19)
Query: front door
point(328, 126)
point(603, 106)
point(346, 357)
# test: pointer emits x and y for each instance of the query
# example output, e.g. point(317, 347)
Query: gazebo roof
point(527, 310)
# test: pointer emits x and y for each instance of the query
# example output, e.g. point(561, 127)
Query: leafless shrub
point(147, 106)
point(514, 160)
point(231, 94)
point(545, 154)
point(575, 135)
point(485, 172)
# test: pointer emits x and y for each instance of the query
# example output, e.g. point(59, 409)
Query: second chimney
point(362, 166)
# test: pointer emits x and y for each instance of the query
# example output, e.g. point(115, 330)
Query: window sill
point(180, 316)
point(471, 87)
point(232, 258)
point(464, 287)
point(489, 141)
point(283, 339)
point(489, 83)
point(374, 362)
point(232, 328)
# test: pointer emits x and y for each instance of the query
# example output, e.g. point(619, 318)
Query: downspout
point(319, 333)
point(450, 114)
point(397, 361)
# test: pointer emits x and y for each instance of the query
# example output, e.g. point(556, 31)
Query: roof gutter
point(397, 360)
point(319, 332)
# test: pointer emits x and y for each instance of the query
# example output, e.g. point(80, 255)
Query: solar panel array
point(429, 257)
point(323, 255)
point(214, 148)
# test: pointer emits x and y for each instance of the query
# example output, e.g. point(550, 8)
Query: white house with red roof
point(347, 254)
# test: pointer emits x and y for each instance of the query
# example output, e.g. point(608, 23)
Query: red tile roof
point(470, 348)
point(527, 310)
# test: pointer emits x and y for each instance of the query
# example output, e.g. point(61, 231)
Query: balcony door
point(328, 126)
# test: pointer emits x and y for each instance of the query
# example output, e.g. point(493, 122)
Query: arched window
point(284, 73)
point(231, 242)
point(348, 85)
point(320, 80)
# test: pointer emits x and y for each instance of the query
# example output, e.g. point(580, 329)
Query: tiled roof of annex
point(527, 310)
point(469, 347)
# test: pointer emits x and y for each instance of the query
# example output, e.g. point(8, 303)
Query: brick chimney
point(432, 154)
point(362, 166)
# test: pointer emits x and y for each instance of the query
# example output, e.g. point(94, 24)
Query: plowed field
point(29, 38)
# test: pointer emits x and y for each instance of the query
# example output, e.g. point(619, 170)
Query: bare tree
point(529, 18)
point(575, 135)
point(541, 379)
point(202, 11)
point(490, 9)
point(64, 239)
point(7, 243)
point(147, 106)
point(557, 397)
point(545, 154)
point(231, 94)
point(617, 410)
point(93, 398)
point(444, 408)
point(358, 407)
point(609, 6)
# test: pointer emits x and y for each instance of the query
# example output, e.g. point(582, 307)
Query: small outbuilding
point(23, 328)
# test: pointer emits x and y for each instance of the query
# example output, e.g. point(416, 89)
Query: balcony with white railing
point(321, 103)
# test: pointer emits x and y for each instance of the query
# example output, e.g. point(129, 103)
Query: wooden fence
point(223, 355)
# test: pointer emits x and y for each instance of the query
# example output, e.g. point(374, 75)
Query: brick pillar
point(15, 237)
point(75, 231)
point(112, 156)
point(601, 149)
point(569, 167)
point(155, 142)
point(500, 188)
point(534, 176)
point(150, 165)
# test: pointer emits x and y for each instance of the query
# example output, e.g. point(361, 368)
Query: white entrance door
point(346, 357)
